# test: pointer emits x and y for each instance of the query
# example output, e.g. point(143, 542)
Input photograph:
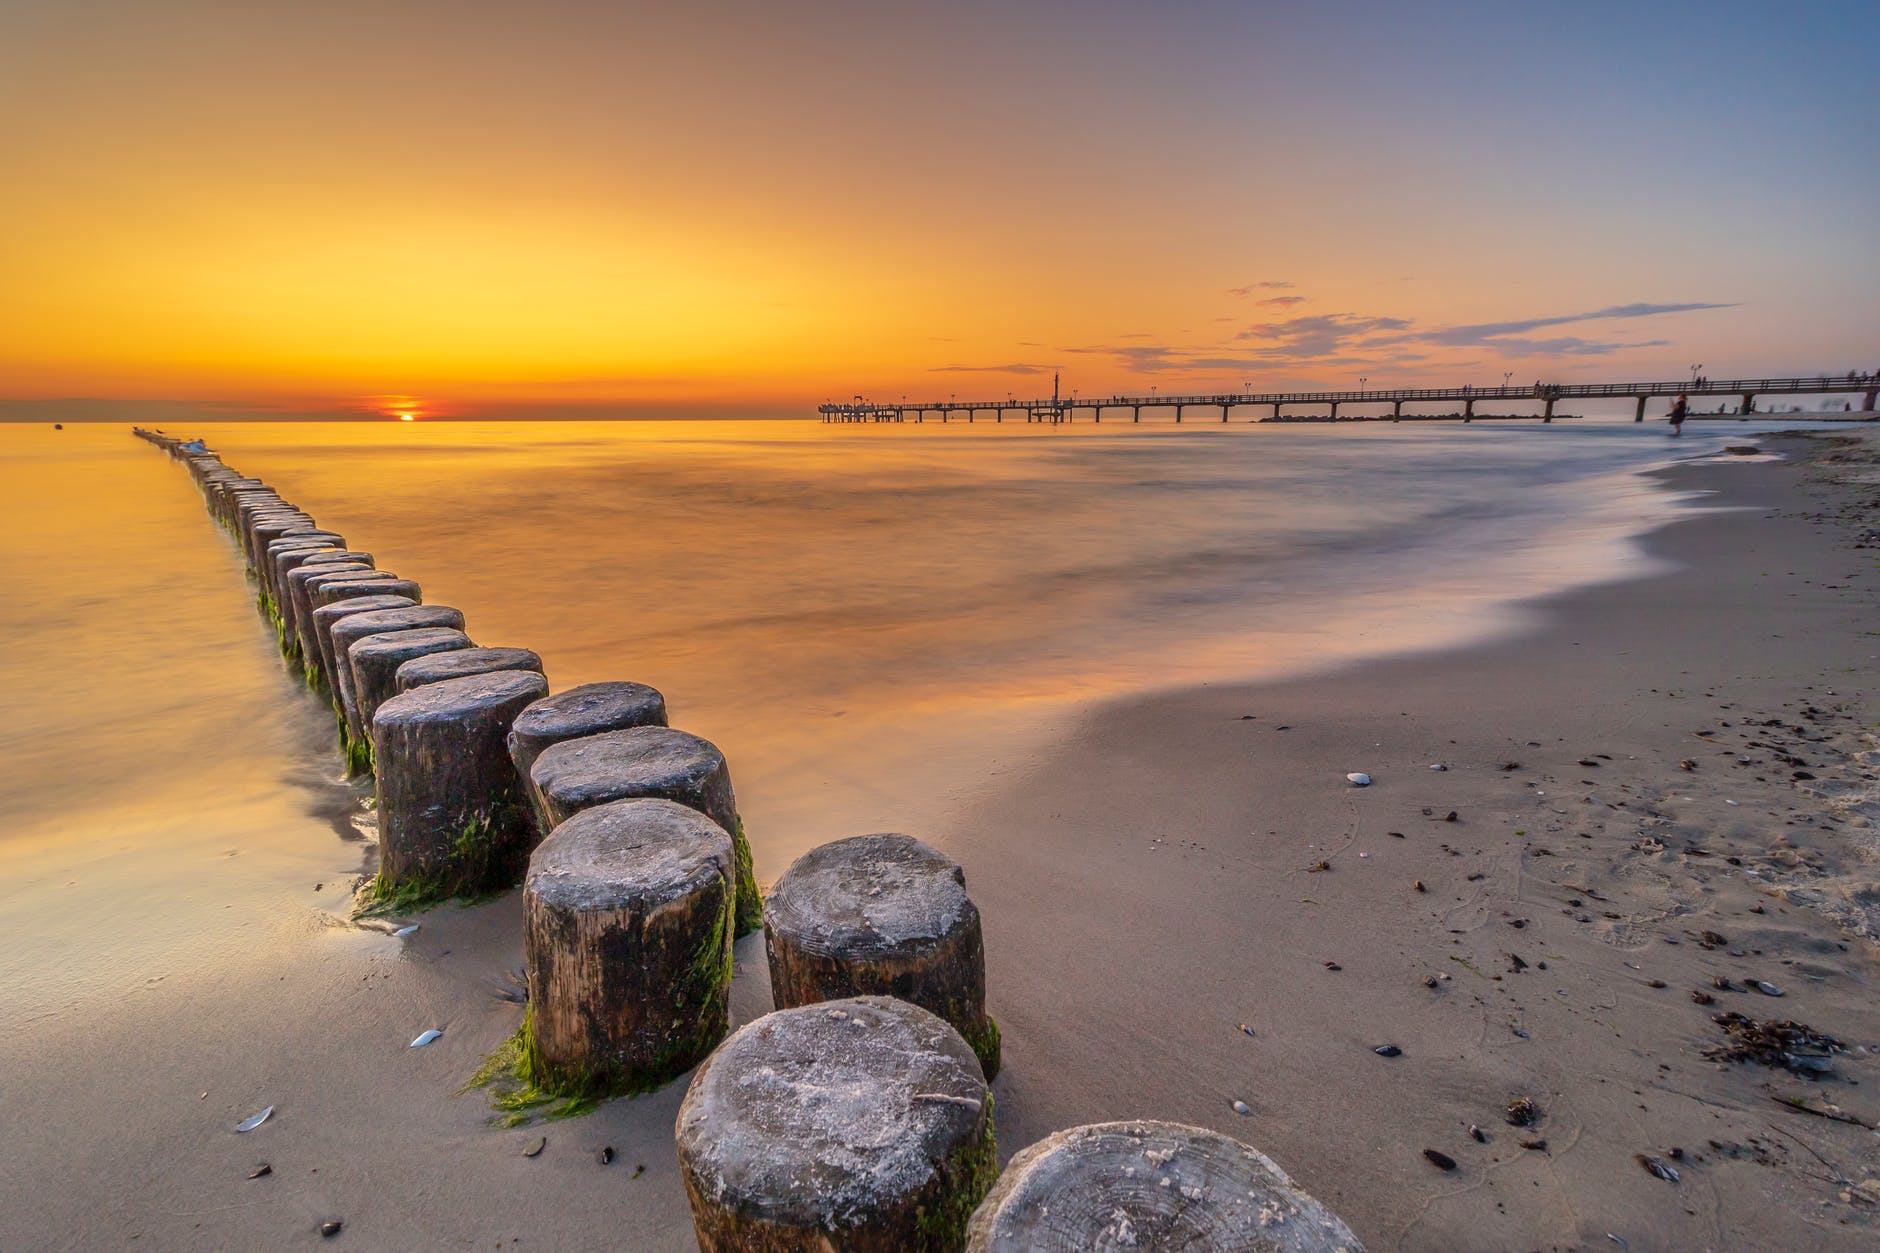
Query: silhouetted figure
point(1678, 408)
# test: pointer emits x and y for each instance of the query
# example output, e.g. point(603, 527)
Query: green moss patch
point(750, 901)
point(507, 1075)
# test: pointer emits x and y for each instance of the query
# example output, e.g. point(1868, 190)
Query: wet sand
point(1147, 887)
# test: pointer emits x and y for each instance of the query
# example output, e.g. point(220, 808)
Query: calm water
point(876, 625)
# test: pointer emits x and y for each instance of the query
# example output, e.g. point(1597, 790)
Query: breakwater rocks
point(858, 1114)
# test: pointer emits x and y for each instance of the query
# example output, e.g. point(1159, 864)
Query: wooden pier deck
point(1056, 409)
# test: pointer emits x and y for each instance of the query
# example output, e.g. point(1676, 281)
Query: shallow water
point(876, 624)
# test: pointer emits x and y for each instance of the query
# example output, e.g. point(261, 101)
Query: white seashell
point(1767, 988)
point(425, 1039)
point(405, 931)
point(1358, 780)
point(249, 1124)
point(1438, 766)
point(1241, 1107)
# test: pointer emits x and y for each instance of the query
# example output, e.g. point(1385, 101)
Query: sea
point(877, 624)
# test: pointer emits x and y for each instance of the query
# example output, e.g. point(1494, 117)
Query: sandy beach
point(1660, 784)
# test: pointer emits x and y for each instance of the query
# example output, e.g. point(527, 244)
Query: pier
point(1057, 408)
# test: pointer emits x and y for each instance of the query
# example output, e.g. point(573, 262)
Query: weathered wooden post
point(1151, 1185)
point(575, 714)
point(860, 1124)
point(451, 817)
point(325, 615)
point(281, 556)
point(649, 761)
point(627, 913)
point(339, 561)
point(882, 915)
point(281, 550)
point(346, 632)
point(376, 659)
point(464, 662)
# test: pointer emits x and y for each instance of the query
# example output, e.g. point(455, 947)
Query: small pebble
point(331, 1229)
point(1657, 1166)
point(1442, 1161)
point(1242, 1108)
point(1766, 988)
point(606, 1156)
point(1477, 1134)
point(261, 1171)
point(1358, 779)
point(1388, 1050)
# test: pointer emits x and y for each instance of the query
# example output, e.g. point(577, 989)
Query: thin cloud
point(1250, 288)
point(1014, 367)
point(1284, 302)
point(1485, 331)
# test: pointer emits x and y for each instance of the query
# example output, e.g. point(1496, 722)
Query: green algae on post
point(627, 914)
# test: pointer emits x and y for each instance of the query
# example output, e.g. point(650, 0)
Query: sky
point(254, 208)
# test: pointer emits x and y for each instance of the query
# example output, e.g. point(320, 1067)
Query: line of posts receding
point(624, 836)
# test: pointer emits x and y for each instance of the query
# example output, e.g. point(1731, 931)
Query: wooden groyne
point(858, 1114)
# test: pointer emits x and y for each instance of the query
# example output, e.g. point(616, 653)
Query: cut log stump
point(467, 661)
point(648, 761)
point(627, 912)
point(575, 714)
point(582, 711)
point(347, 631)
point(881, 915)
point(376, 659)
point(860, 1124)
point(1151, 1185)
point(451, 817)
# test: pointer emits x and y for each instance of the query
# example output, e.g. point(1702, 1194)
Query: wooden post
point(350, 630)
point(451, 818)
point(591, 709)
point(881, 915)
point(325, 594)
point(376, 659)
point(649, 761)
point(324, 616)
point(1153, 1185)
point(860, 1124)
point(1638, 415)
point(340, 561)
point(626, 915)
point(463, 662)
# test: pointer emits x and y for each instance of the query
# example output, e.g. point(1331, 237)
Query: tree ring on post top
point(856, 1124)
point(1154, 1185)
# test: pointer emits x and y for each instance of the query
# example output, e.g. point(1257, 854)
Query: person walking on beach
point(1678, 407)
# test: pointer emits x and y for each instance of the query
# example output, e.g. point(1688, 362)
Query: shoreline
point(1151, 906)
point(1170, 844)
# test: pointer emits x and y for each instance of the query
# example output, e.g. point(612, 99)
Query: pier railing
point(1063, 409)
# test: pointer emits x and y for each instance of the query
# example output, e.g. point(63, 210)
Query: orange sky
point(510, 209)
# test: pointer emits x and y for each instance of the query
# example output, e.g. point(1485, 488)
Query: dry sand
point(1147, 887)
